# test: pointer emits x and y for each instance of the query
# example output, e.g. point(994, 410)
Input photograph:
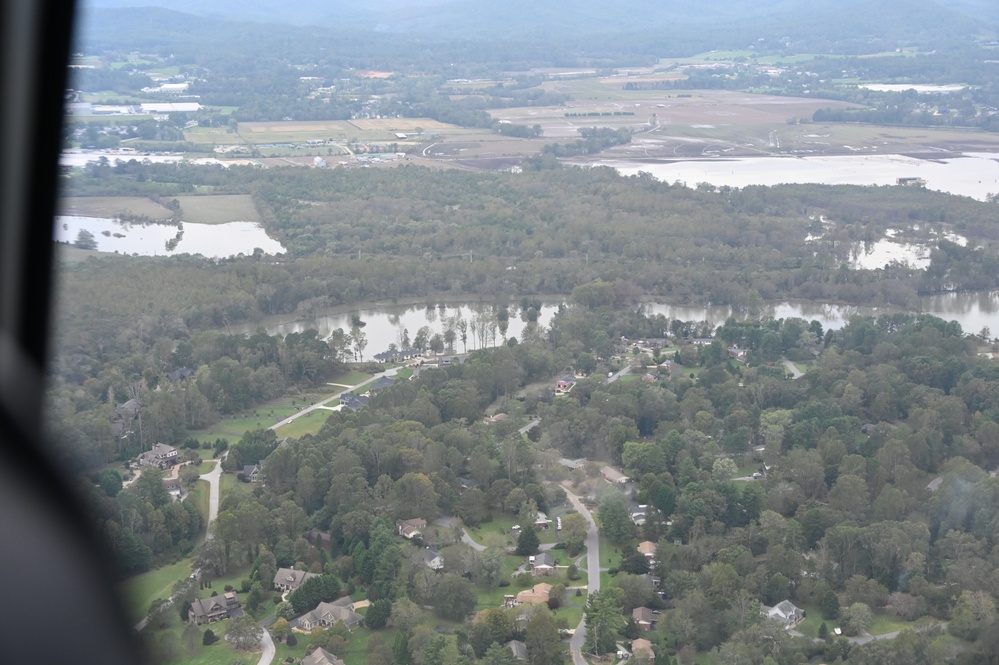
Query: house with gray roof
point(287, 579)
point(216, 608)
point(160, 455)
point(543, 564)
point(327, 614)
point(518, 649)
point(321, 657)
point(785, 612)
point(432, 558)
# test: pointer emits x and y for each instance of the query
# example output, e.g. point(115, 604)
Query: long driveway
point(454, 522)
point(214, 478)
point(336, 397)
point(592, 576)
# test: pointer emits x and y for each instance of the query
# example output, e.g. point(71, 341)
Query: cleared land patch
point(219, 208)
point(399, 124)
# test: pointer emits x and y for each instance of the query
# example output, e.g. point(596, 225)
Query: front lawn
point(310, 423)
point(139, 592)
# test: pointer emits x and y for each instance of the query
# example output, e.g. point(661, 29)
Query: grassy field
point(112, 206)
point(219, 208)
point(299, 131)
point(140, 591)
point(230, 483)
point(214, 209)
point(310, 423)
point(350, 378)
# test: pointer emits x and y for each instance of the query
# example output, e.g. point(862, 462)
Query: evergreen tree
point(528, 541)
point(603, 619)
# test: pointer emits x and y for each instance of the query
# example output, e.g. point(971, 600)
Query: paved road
point(617, 375)
point(529, 426)
point(593, 576)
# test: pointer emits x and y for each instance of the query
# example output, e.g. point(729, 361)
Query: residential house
point(564, 384)
point(327, 614)
point(250, 471)
point(173, 487)
point(129, 409)
point(161, 455)
point(613, 476)
point(642, 648)
point(638, 516)
point(409, 529)
point(321, 657)
point(652, 580)
point(518, 649)
point(542, 522)
point(353, 402)
point(287, 579)
point(539, 593)
point(180, 374)
point(737, 354)
point(543, 564)
point(432, 558)
point(497, 418)
point(380, 384)
point(651, 377)
point(702, 341)
point(396, 356)
point(647, 548)
point(467, 483)
point(644, 618)
point(216, 608)
point(785, 612)
point(573, 464)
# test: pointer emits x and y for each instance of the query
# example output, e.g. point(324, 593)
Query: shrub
point(291, 640)
point(209, 638)
point(228, 588)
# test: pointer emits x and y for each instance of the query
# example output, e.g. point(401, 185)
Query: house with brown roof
point(613, 476)
point(409, 529)
point(648, 549)
point(216, 608)
point(321, 657)
point(539, 593)
point(642, 648)
point(287, 579)
point(327, 614)
point(644, 618)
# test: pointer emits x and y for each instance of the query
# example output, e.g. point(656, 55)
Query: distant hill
point(659, 27)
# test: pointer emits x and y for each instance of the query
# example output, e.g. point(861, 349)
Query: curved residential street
point(592, 579)
point(269, 650)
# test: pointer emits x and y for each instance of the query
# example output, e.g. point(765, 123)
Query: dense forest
point(845, 521)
